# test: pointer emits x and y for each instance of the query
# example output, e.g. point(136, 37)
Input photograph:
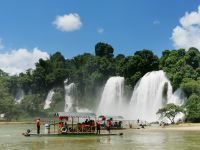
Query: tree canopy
point(104, 50)
point(193, 108)
point(170, 111)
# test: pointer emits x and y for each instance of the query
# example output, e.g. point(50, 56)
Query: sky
point(30, 30)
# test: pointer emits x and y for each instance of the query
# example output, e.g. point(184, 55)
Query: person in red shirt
point(60, 125)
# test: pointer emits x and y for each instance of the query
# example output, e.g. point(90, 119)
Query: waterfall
point(48, 99)
point(70, 92)
point(19, 95)
point(152, 92)
point(83, 110)
point(177, 98)
point(112, 98)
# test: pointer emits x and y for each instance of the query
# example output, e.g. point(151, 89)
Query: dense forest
point(90, 73)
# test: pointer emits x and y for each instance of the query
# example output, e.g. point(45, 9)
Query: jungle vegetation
point(90, 72)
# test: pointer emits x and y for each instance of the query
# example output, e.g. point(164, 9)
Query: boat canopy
point(75, 114)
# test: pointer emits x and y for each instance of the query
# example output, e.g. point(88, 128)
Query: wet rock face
point(165, 90)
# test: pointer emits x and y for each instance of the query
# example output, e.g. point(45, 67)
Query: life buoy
point(64, 130)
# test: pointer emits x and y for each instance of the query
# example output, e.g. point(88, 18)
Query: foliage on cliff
point(90, 72)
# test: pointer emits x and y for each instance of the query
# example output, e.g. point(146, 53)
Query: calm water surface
point(11, 139)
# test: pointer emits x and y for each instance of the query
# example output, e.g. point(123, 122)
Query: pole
point(72, 124)
point(78, 125)
point(54, 124)
point(90, 125)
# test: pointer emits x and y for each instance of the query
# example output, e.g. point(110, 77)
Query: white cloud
point(187, 34)
point(100, 30)
point(1, 44)
point(156, 22)
point(20, 60)
point(68, 22)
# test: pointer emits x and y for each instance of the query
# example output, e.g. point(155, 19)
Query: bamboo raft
point(73, 129)
point(72, 134)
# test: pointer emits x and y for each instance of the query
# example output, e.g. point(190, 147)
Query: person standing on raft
point(38, 125)
point(108, 125)
point(98, 127)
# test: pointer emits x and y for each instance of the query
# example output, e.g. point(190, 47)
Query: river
point(142, 139)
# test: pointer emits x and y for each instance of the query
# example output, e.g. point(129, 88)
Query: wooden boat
point(74, 128)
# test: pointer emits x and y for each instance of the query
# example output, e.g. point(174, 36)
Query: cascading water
point(177, 98)
point(152, 92)
point(70, 92)
point(83, 110)
point(112, 98)
point(48, 99)
point(19, 95)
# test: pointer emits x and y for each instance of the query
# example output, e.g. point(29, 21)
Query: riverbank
point(182, 126)
point(16, 122)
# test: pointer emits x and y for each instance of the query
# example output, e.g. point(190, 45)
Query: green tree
point(104, 50)
point(14, 112)
point(192, 57)
point(170, 111)
point(139, 64)
point(193, 108)
point(3, 74)
point(190, 86)
point(39, 82)
point(33, 104)
point(120, 63)
point(147, 61)
point(57, 60)
point(7, 103)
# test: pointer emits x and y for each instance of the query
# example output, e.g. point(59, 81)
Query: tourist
point(92, 125)
point(98, 127)
point(108, 125)
point(60, 124)
point(120, 124)
point(130, 125)
point(27, 133)
point(38, 125)
point(86, 121)
point(142, 126)
point(65, 127)
point(65, 124)
point(138, 121)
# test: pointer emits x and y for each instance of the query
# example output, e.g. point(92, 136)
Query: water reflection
point(104, 140)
